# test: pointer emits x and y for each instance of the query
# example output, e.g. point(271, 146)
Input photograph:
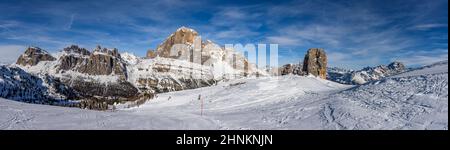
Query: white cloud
point(429, 26)
point(422, 60)
point(69, 25)
point(10, 53)
point(284, 40)
point(337, 57)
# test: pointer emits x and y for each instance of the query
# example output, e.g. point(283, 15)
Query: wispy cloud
point(69, 25)
point(283, 40)
point(352, 31)
point(429, 26)
point(419, 60)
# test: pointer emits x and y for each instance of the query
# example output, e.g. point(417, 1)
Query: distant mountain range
point(365, 75)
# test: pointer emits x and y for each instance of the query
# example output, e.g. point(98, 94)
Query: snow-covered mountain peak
point(130, 58)
point(396, 65)
point(75, 50)
point(186, 29)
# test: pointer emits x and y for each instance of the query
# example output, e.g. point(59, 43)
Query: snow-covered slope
point(416, 99)
point(20, 85)
point(414, 102)
point(131, 59)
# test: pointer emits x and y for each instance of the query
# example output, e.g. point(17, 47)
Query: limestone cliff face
point(34, 55)
point(185, 44)
point(101, 61)
point(104, 62)
point(151, 54)
point(315, 63)
point(183, 36)
point(72, 57)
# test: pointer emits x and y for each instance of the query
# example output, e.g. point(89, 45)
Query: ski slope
point(407, 101)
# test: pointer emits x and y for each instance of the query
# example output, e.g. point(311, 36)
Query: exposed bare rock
point(185, 44)
point(315, 63)
point(111, 90)
point(397, 67)
point(34, 55)
point(76, 50)
point(101, 61)
point(184, 37)
point(211, 53)
point(72, 57)
point(104, 62)
point(295, 69)
point(151, 54)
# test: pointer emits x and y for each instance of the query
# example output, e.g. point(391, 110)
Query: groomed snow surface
point(413, 100)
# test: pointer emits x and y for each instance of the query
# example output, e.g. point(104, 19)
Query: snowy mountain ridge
point(366, 74)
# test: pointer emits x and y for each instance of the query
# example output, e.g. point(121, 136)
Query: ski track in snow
point(413, 100)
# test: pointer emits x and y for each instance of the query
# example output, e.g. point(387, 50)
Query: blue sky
point(354, 33)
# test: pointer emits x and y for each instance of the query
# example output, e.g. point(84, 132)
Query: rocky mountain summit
point(287, 69)
point(33, 55)
point(95, 79)
point(184, 37)
point(101, 61)
point(186, 45)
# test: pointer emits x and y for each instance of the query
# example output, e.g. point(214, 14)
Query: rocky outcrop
point(151, 54)
point(184, 37)
point(97, 78)
point(72, 57)
point(315, 63)
point(74, 49)
point(110, 90)
point(295, 69)
point(396, 67)
point(101, 61)
point(34, 55)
